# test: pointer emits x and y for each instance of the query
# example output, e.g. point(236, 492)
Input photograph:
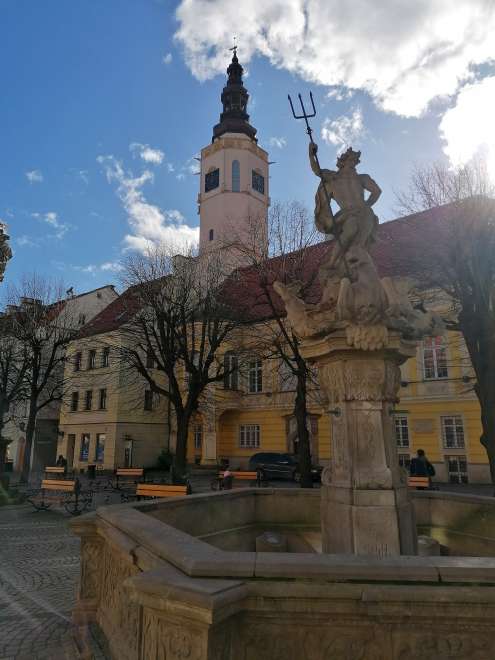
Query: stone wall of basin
point(160, 593)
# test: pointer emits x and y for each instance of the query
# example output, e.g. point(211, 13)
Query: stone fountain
point(191, 578)
point(359, 334)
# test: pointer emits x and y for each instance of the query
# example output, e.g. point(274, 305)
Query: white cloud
point(51, 218)
point(468, 127)
point(404, 54)
point(167, 59)
point(344, 130)
point(34, 176)
point(149, 224)
point(340, 94)
point(278, 142)
point(92, 269)
point(114, 266)
point(147, 153)
point(26, 241)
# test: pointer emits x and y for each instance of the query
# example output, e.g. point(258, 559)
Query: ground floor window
point(453, 432)
point(198, 436)
point(249, 436)
point(84, 451)
point(404, 461)
point(100, 447)
point(401, 431)
point(457, 469)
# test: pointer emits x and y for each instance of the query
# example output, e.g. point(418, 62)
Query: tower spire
point(234, 118)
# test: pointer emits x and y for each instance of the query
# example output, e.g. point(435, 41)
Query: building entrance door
point(71, 442)
point(127, 453)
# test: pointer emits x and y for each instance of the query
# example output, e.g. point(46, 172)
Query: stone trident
point(306, 116)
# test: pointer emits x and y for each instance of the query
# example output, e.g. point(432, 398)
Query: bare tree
point(13, 368)
point(41, 324)
point(455, 255)
point(179, 321)
point(291, 233)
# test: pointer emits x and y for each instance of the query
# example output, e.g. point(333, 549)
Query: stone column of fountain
point(359, 334)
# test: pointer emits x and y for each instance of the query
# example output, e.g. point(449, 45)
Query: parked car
point(276, 465)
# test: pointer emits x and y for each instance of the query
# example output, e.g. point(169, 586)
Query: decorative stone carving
point(91, 554)
point(445, 646)
point(167, 640)
point(358, 379)
point(5, 251)
point(321, 643)
point(119, 617)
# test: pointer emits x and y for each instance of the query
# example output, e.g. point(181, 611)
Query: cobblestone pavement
point(39, 570)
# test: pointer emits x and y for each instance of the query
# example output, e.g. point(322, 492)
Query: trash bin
point(91, 471)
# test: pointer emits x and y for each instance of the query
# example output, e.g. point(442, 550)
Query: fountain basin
point(181, 579)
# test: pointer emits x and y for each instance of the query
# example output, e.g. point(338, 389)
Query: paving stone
point(39, 571)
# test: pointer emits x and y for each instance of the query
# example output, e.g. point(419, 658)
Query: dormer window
point(212, 180)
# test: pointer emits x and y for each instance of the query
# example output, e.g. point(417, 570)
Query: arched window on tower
point(211, 235)
point(236, 176)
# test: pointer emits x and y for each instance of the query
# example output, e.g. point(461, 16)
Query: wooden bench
point(418, 482)
point(55, 470)
point(130, 475)
point(158, 490)
point(61, 490)
point(255, 479)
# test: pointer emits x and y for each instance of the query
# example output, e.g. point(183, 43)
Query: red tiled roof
point(118, 312)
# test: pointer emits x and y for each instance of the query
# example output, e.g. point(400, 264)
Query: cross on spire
point(234, 47)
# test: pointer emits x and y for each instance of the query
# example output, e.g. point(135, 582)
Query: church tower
point(233, 198)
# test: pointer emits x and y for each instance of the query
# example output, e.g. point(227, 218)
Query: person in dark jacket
point(421, 466)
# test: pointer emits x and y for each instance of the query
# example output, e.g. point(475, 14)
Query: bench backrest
point(130, 472)
point(58, 484)
point(55, 469)
point(241, 475)
point(160, 490)
point(418, 482)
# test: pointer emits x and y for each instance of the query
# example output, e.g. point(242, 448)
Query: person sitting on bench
point(421, 467)
point(62, 462)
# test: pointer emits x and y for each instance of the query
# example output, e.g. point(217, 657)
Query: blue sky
point(97, 93)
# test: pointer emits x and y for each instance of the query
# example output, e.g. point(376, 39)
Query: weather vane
point(234, 47)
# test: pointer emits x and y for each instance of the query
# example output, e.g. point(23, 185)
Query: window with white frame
point(198, 436)
point(255, 375)
point(435, 358)
point(231, 371)
point(452, 432)
point(249, 436)
point(405, 461)
point(457, 469)
point(401, 431)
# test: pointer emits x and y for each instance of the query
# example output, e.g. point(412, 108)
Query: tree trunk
point(3, 445)
point(487, 437)
point(3, 454)
point(303, 446)
point(180, 458)
point(30, 428)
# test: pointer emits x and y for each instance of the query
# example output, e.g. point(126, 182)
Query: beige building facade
point(109, 418)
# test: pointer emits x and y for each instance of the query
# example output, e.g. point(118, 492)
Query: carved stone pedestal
point(365, 505)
